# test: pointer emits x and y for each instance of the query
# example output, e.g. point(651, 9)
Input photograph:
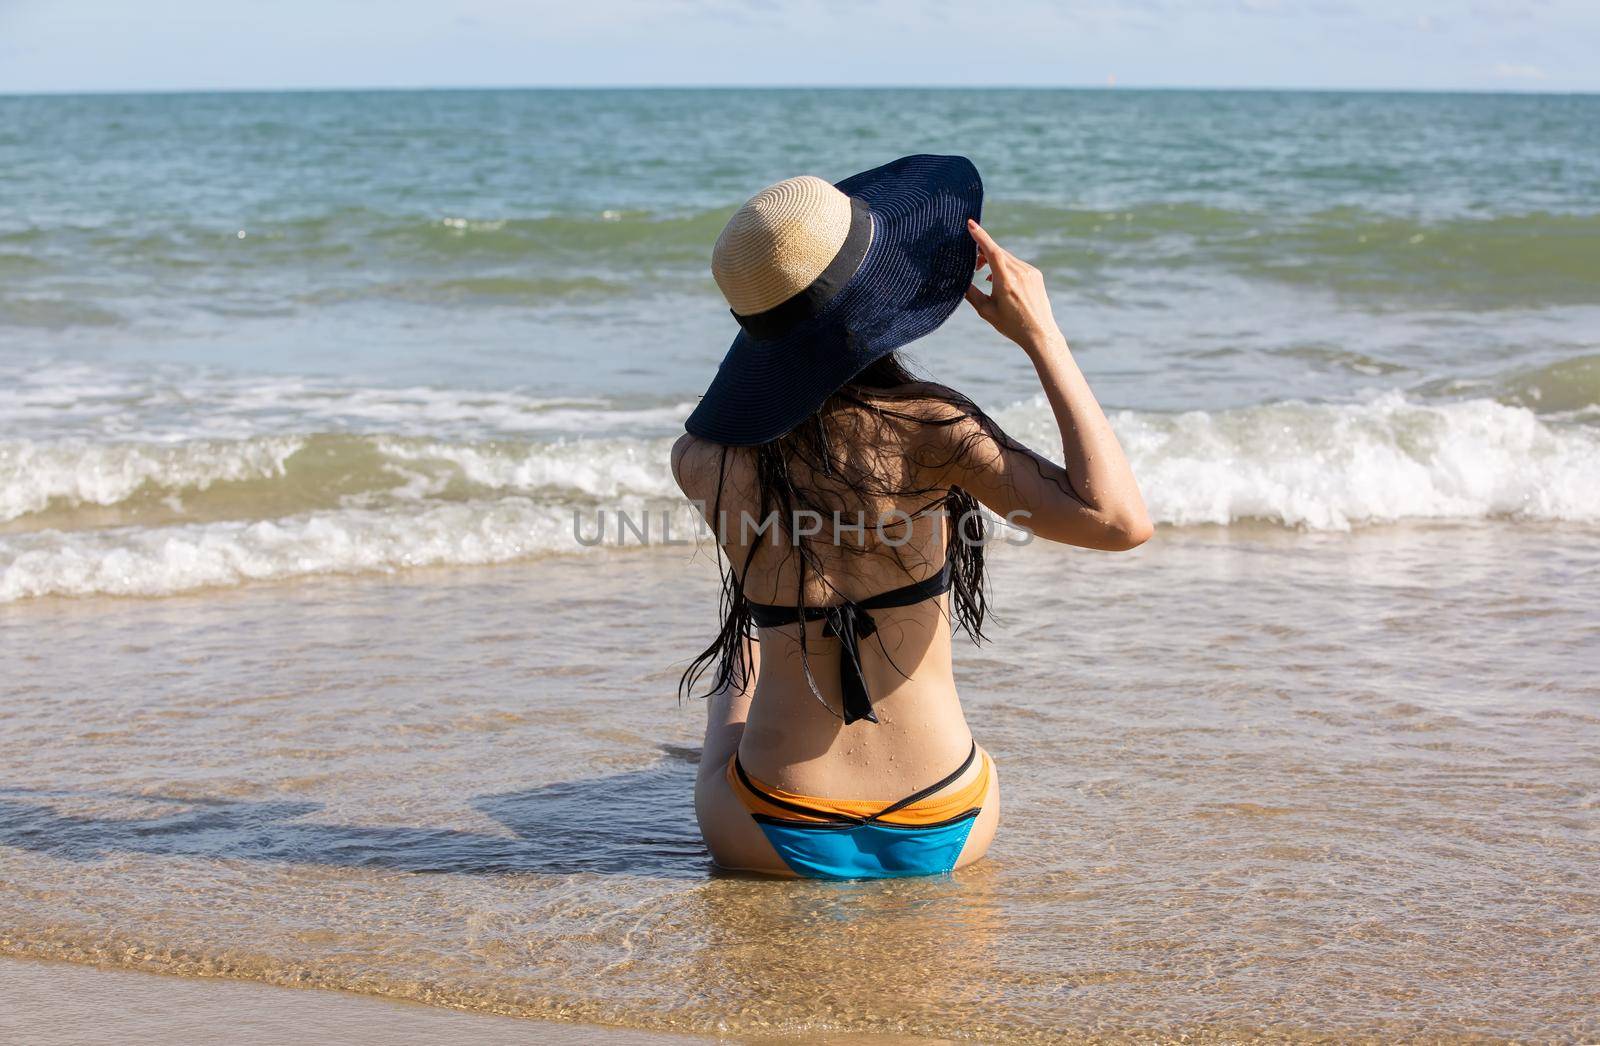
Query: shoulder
point(945, 432)
point(926, 401)
point(696, 465)
point(938, 417)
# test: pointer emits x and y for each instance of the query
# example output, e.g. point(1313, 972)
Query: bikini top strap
point(850, 622)
point(909, 595)
point(772, 615)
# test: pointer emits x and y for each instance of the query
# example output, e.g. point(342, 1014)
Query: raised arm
point(1094, 502)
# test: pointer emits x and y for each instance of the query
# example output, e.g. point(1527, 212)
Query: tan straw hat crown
point(823, 280)
point(779, 242)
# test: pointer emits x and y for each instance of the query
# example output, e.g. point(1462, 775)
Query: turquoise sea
point(281, 306)
point(301, 662)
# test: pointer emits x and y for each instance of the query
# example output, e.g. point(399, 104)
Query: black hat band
point(806, 303)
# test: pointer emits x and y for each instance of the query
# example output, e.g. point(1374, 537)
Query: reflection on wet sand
point(1258, 785)
point(551, 830)
point(908, 956)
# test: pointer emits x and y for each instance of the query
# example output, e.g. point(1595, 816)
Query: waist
point(955, 795)
point(790, 746)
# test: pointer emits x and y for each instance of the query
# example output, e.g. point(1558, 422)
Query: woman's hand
point(1093, 501)
point(1018, 307)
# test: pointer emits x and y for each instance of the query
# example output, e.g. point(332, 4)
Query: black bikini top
point(850, 623)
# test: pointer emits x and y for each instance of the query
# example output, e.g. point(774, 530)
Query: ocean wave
point(165, 404)
point(279, 475)
point(1334, 466)
point(143, 519)
point(36, 476)
point(162, 561)
point(338, 234)
point(1567, 385)
point(1530, 258)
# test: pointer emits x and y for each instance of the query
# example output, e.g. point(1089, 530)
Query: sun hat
point(826, 279)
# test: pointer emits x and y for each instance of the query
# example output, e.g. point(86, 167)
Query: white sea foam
point(588, 468)
point(137, 561)
point(172, 403)
point(33, 475)
point(406, 501)
point(1328, 467)
point(64, 475)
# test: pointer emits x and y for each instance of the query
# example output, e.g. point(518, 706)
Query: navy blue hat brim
point(914, 275)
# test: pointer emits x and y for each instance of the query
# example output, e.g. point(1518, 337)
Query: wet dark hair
point(860, 414)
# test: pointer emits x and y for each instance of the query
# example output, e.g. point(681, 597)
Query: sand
point(61, 1004)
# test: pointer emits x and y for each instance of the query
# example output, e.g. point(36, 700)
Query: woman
point(845, 497)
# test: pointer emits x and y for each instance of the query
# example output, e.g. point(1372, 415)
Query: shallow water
point(307, 676)
point(66, 1004)
point(1256, 784)
point(262, 336)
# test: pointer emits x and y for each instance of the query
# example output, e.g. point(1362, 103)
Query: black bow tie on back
point(850, 623)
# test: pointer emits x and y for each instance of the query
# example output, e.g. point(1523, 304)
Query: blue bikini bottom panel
point(868, 851)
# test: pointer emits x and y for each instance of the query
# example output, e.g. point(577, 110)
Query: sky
point(141, 45)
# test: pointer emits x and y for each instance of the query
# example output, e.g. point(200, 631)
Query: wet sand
point(1259, 784)
point(62, 1004)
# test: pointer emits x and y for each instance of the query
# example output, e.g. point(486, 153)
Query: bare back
point(795, 737)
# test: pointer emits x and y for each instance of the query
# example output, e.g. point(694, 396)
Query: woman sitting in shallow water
point(845, 495)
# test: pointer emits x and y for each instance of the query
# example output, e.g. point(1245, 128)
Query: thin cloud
point(1510, 71)
point(52, 45)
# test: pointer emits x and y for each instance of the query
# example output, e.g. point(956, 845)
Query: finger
point(999, 261)
point(979, 300)
point(986, 245)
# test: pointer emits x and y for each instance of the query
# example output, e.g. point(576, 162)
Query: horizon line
point(1097, 87)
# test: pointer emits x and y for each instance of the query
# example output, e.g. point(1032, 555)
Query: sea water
point(309, 678)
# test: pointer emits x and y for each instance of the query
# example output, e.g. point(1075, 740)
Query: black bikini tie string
point(850, 624)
